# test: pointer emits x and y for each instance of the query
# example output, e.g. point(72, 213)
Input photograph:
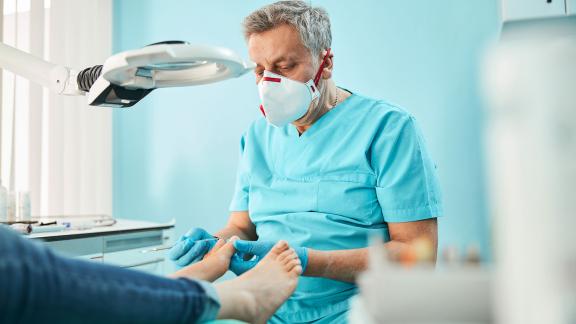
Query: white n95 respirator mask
point(285, 100)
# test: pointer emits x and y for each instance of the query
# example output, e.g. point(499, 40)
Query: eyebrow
point(283, 59)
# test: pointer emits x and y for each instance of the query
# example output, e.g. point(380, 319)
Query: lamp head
point(129, 76)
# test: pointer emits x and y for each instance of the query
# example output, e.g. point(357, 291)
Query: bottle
point(22, 209)
point(10, 206)
point(3, 203)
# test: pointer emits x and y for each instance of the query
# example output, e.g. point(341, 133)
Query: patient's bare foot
point(257, 294)
point(213, 266)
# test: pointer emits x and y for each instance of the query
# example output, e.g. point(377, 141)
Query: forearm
point(345, 265)
point(342, 265)
point(231, 230)
point(239, 225)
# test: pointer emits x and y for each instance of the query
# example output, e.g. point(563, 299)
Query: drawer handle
point(144, 263)
point(156, 249)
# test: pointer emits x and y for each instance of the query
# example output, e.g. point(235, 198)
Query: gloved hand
point(191, 247)
point(255, 251)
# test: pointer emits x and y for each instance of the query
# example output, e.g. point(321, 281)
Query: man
point(323, 169)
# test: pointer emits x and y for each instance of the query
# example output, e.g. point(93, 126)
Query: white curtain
point(62, 152)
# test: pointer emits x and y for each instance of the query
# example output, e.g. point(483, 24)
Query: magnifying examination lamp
point(127, 77)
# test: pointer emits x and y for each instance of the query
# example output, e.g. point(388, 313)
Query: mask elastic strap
point(319, 73)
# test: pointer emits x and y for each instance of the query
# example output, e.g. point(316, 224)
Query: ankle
point(236, 302)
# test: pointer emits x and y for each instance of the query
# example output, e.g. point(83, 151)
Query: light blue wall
point(175, 152)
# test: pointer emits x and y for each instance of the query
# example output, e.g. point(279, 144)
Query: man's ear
point(328, 65)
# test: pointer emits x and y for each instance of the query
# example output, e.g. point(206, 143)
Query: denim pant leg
point(40, 286)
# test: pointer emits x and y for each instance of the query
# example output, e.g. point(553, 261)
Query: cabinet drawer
point(132, 241)
point(136, 257)
point(85, 247)
point(530, 9)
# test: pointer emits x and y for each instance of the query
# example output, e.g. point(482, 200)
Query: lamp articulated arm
point(59, 79)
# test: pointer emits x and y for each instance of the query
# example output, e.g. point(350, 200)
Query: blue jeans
point(40, 286)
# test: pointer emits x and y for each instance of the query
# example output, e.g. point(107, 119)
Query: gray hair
point(312, 23)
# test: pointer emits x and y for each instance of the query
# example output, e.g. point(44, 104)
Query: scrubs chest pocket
point(279, 195)
point(352, 195)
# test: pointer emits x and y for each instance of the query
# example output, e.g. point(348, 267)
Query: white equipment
point(390, 293)
point(127, 77)
point(531, 147)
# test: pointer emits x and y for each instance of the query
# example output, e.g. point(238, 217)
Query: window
point(57, 148)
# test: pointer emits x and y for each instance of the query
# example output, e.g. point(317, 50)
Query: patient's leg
point(257, 294)
point(40, 286)
point(213, 266)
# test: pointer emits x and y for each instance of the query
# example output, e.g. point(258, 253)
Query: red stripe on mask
point(271, 79)
point(319, 73)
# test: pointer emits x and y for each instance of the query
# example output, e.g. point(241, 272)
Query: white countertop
point(121, 226)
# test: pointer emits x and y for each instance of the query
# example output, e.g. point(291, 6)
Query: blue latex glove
point(255, 251)
point(191, 247)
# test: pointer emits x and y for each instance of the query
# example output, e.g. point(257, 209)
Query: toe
point(280, 247)
point(291, 264)
point(297, 270)
point(290, 258)
point(227, 250)
point(286, 255)
point(219, 244)
point(233, 239)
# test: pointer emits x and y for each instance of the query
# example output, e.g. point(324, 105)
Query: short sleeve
point(240, 197)
point(407, 184)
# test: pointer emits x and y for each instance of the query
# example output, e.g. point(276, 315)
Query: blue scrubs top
point(362, 165)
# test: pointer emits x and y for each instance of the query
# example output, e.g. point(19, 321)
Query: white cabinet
point(135, 245)
point(142, 250)
point(530, 9)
